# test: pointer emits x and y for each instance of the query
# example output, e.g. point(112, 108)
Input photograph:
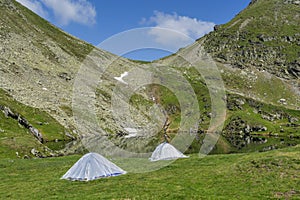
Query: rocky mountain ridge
point(264, 35)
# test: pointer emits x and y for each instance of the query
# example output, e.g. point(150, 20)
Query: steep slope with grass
point(38, 63)
point(17, 140)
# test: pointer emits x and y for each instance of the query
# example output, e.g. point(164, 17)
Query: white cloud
point(34, 6)
point(66, 11)
point(187, 26)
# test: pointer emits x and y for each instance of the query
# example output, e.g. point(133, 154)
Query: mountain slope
point(260, 92)
point(251, 65)
point(265, 35)
point(37, 64)
point(40, 66)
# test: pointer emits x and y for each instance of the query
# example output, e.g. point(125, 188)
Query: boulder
point(293, 119)
point(9, 113)
point(37, 134)
point(22, 121)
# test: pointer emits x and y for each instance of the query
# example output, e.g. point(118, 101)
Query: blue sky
point(95, 21)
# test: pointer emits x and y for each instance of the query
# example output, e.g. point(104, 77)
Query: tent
point(166, 151)
point(92, 166)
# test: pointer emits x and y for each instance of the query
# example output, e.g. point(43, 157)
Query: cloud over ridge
point(65, 11)
point(185, 25)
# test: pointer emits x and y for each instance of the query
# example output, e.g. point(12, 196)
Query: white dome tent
point(166, 151)
point(92, 166)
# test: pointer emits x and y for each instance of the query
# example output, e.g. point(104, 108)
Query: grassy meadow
point(267, 175)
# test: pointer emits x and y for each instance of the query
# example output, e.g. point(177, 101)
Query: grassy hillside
point(252, 123)
point(257, 55)
point(16, 138)
point(237, 176)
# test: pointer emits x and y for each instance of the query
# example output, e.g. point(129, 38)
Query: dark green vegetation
point(267, 175)
point(16, 138)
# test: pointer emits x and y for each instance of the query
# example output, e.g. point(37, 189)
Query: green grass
point(46, 124)
point(274, 88)
point(140, 61)
point(249, 113)
point(267, 89)
point(267, 175)
point(15, 138)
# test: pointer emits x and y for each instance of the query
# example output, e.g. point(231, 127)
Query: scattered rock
point(217, 27)
point(259, 128)
point(282, 101)
point(37, 134)
point(269, 148)
point(296, 2)
point(65, 76)
point(265, 38)
point(293, 119)
point(36, 153)
point(294, 68)
point(9, 113)
point(22, 121)
point(281, 130)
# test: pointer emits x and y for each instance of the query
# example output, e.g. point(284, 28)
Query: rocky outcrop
point(267, 39)
point(255, 51)
point(23, 122)
point(294, 68)
point(238, 133)
point(296, 2)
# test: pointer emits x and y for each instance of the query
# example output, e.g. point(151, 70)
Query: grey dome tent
point(92, 166)
point(166, 151)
